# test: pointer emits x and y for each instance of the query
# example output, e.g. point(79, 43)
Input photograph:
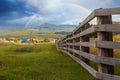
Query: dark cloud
point(14, 9)
point(18, 12)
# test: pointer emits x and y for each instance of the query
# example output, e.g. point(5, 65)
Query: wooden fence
point(77, 44)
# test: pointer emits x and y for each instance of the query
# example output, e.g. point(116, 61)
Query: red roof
point(51, 39)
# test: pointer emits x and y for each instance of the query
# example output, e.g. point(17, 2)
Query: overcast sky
point(35, 12)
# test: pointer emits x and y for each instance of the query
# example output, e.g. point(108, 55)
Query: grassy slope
point(44, 63)
point(26, 34)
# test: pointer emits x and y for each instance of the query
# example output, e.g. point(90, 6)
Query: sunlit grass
point(44, 62)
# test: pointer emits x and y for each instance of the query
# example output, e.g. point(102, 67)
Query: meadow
point(43, 62)
point(38, 62)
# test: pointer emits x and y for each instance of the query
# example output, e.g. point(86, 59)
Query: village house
point(12, 39)
point(38, 40)
point(51, 39)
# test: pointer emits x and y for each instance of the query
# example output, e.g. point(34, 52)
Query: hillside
point(47, 27)
point(27, 34)
point(43, 28)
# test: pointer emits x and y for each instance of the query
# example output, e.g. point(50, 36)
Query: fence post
point(73, 41)
point(105, 36)
point(85, 39)
point(57, 44)
point(77, 47)
point(70, 41)
point(77, 40)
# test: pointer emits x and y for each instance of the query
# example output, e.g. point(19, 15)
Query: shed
point(24, 40)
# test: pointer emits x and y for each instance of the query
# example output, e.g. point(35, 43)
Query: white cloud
point(34, 3)
point(53, 4)
point(116, 18)
point(63, 11)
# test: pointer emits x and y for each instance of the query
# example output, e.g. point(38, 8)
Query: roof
point(12, 38)
point(51, 39)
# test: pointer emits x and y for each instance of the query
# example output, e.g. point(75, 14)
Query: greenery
point(62, 32)
point(27, 34)
point(38, 62)
point(43, 62)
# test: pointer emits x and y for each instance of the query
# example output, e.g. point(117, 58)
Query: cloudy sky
point(35, 12)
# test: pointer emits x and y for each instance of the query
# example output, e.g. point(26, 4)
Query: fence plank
point(86, 44)
point(105, 12)
point(97, 59)
point(108, 27)
point(89, 18)
point(108, 44)
point(97, 44)
point(83, 33)
point(104, 76)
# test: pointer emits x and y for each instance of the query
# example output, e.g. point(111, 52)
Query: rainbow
point(65, 4)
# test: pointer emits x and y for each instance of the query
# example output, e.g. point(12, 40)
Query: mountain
point(47, 27)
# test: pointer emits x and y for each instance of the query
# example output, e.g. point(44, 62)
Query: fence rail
point(77, 44)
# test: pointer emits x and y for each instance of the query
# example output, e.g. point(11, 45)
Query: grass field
point(38, 62)
point(27, 34)
point(43, 62)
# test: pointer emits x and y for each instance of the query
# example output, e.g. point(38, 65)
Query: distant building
point(12, 39)
point(51, 39)
point(38, 40)
point(24, 40)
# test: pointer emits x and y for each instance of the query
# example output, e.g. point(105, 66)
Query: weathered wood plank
point(106, 60)
point(97, 44)
point(89, 18)
point(83, 33)
point(108, 44)
point(87, 31)
point(97, 59)
point(108, 28)
point(86, 44)
point(104, 76)
point(105, 12)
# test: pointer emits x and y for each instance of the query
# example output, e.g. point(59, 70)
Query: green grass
point(43, 62)
point(26, 34)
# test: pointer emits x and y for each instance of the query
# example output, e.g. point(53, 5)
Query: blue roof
point(24, 40)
